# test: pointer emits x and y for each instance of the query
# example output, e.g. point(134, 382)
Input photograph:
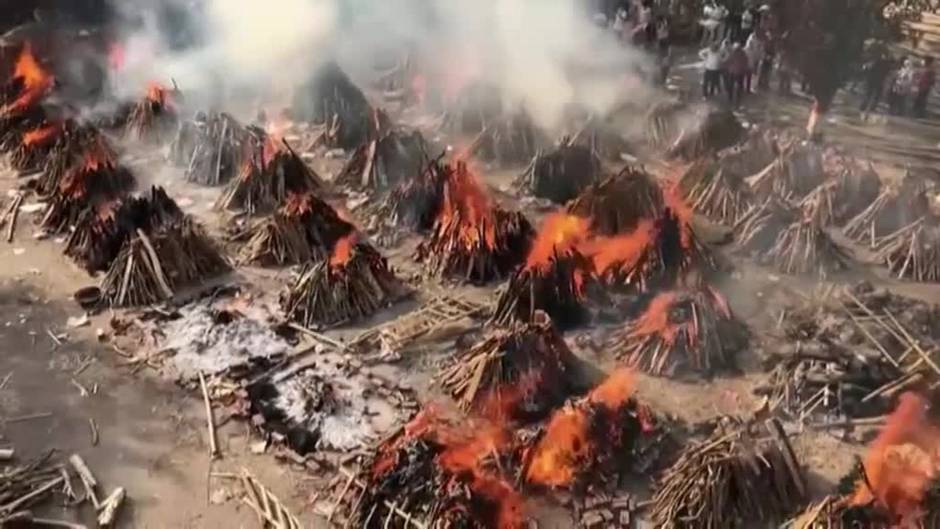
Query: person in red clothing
point(923, 84)
point(736, 68)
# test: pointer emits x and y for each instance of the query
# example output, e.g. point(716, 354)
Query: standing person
point(748, 20)
point(755, 57)
point(711, 62)
point(736, 67)
point(874, 74)
point(923, 84)
point(721, 15)
point(724, 51)
point(900, 88)
point(644, 22)
point(663, 34)
point(709, 23)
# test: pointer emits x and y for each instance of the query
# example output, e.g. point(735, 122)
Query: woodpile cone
point(795, 173)
point(35, 147)
point(913, 252)
point(511, 139)
point(561, 174)
point(353, 283)
point(757, 230)
point(383, 163)
point(712, 131)
point(523, 370)
point(154, 118)
point(211, 148)
point(713, 190)
point(896, 207)
point(617, 204)
point(413, 204)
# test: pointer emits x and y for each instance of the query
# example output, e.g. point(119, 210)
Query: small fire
point(901, 462)
point(567, 445)
point(622, 251)
point(466, 203)
point(561, 233)
point(683, 213)
point(342, 251)
point(42, 135)
point(270, 150)
point(655, 320)
point(159, 95)
point(297, 204)
point(36, 82)
point(97, 156)
point(117, 56)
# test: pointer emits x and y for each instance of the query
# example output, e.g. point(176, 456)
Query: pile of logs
point(211, 148)
point(855, 188)
point(796, 171)
point(896, 207)
point(67, 150)
point(269, 174)
point(330, 98)
point(383, 163)
point(561, 174)
point(837, 512)
point(23, 486)
point(102, 229)
point(913, 252)
point(353, 283)
point(153, 267)
point(304, 229)
point(714, 190)
point(35, 147)
point(804, 247)
point(738, 475)
point(757, 230)
point(92, 177)
point(752, 155)
point(509, 140)
point(154, 117)
point(617, 204)
point(471, 239)
point(414, 203)
point(712, 131)
point(662, 123)
point(522, 370)
point(682, 331)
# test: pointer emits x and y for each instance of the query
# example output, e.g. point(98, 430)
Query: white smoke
point(544, 54)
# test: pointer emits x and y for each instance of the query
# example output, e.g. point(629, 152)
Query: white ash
point(203, 344)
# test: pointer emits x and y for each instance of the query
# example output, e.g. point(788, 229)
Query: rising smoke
point(246, 54)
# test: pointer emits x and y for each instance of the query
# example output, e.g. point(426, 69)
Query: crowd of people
point(904, 83)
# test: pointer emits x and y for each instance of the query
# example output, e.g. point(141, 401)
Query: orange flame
point(117, 56)
point(159, 95)
point(621, 251)
point(466, 203)
point(36, 82)
point(342, 251)
point(97, 156)
point(42, 135)
point(672, 196)
point(902, 461)
point(562, 452)
point(560, 234)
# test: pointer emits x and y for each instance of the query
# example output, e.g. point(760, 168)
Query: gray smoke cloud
point(246, 54)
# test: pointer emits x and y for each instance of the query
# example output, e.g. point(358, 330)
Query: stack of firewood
point(383, 163)
point(756, 230)
point(913, 252)
point(712, 131)
point(896, 207)
point(211, 148)
point(522, 370)
point(796, 171)
point(617, 204)
point(353, 283)
point(679, 331)
point(154, 117)
point(67, 150)
point(736, 476)
point(511, 139)
point(414, 203)
point(715, 191)
point(561, 174)
point(35, 147)
point(804, 247)
point(854, 189)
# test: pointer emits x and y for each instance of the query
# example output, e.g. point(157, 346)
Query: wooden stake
point(210, 421)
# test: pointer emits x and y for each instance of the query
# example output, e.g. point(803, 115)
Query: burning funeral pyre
point(90, 176)
point(270, 172)
point(304, 229)
point(524, 366)
point(211, 148)
point(685, 330)
point(590, 440)
point(471, 238)
point(562, 174)
point(354, 282)
point(713, 130)
point(156, 265)
point(35, 148)
point(617, 204)
point(20, 98)
point(67, 149)
point(154, 118)
point(330, 98)
point(103, 229)
point(796, 171)
point(383, 163)
point(896, 207)
point(739, 475)
point(896, 485)
point(435, 473)
point(913, 252)
point(711, 188)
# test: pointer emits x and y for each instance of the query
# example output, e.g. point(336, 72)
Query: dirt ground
point(151, 434)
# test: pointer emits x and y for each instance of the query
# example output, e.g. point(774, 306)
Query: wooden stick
point(23, 500)
point(155, 262)
point(14, 212)
point(110, 506)
point(389, 505)
point(210, 421)
point(94, 431)
point(86, 477)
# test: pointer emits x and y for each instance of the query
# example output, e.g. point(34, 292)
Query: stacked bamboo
point(796, 171)
point(211, 148)
point(715, 191)
point(414, 203)
point(896, 207)
point(617, 204)
point(913, 252)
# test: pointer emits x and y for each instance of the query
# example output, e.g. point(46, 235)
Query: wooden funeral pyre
point(854, 189)
point(353, 283)
point(753, 155)
point(895, 486)
point(21, 97)
point(739, 475)
point(509, 140)
point(617, 204)
point(434, 472)
point(554, 277)
point(476, 107)
point(682, 331)
point(413, 204)
point(304, 229)
point(523, 370)
point(796, 171)
point(330, 98)
point(383, 163)
point(561, 174)
point(757, 230)
point(155, 266)
point(913, 252)
point(103, 229)
point(589, 440)
point(896, 207)
point(67, 149)
point(472, 238)
point(706, 133)
point(35, 148)
point(154, 118)
point(211, 148)
point(270, 172)
point(90, 176)
point(716, 191)
point(663, 123)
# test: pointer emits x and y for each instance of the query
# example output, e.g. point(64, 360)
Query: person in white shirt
point(712, 60)
point(755, 56)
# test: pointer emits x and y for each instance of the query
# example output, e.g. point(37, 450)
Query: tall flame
point(621, 251)
point(560, 234)
point(672, 196)
point(36, 82)
point(567, 444)
point(42, 135)
point(902, 461)
point(466, 203)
